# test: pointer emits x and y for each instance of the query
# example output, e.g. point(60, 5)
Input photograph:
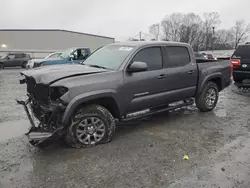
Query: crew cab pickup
point(69, 56)
point(119, 82)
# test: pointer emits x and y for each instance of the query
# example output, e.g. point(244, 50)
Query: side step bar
point(155, 110)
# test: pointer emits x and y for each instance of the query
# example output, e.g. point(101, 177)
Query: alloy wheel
point(90, 130)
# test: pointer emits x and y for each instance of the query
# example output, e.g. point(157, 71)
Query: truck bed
point(215, 67)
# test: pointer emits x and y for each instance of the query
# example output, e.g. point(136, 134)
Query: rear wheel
point(208, 98)
point(90, 126)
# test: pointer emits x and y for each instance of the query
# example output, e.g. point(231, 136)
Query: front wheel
point(208, 98)
point(1, 66)
point(90, 126)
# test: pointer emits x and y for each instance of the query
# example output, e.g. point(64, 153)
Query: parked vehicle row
point(119, 82)
point(72, 55)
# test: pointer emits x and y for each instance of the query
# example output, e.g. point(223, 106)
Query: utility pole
point(140, 35)
point(213, 39)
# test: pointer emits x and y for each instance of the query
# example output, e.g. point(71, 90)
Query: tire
point(1, 66)
point(86, 124)
point(204, 102)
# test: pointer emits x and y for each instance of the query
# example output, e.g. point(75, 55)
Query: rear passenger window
point(152, 56)
point(18, 56)
point(176, 56)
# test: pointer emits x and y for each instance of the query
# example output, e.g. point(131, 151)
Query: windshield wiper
point(97, 66)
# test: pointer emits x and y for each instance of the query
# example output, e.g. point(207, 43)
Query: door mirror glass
point(137, 66)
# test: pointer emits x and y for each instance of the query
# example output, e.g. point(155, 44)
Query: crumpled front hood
point(53, 73)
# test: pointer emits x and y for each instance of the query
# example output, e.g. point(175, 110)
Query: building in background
point(41, 42)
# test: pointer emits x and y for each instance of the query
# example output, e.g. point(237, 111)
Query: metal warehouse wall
point(50, 40)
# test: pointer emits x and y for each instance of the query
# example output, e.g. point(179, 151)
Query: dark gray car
point(15, 59)
point(121, 82)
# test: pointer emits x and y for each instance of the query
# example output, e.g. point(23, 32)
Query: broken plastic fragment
point(185, 157)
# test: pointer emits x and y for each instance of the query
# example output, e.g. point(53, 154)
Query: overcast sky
point(115, 18)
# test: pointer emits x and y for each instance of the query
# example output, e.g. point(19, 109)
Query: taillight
point(231, 68)
point(235, 62)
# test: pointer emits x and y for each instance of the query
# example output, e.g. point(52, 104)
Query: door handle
point(191, 72)
point(162, 76)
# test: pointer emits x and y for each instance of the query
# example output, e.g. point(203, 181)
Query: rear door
point(19, 59)
point(242, 53)
point(181, 73)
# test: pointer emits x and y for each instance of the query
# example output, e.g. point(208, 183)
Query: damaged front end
point(44, 110)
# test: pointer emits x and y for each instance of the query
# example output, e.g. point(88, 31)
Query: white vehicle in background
point(31, 62)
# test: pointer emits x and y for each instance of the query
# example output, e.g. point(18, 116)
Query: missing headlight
point(57, 92)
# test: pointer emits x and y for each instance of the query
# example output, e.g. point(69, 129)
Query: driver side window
point(152, 56)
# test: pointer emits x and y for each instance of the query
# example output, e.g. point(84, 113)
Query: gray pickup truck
point(118, 82)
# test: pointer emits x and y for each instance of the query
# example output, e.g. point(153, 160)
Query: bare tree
point(240, 32)
point(224, 39)
point(191, 25)
point(210, 21)
point(155, 31)
point(171, 26)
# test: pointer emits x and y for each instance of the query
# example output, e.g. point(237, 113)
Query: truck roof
point(146, 43)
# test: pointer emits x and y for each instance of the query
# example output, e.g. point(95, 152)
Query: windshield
point(4, 56)
point(110, 57)
point(242, 52)
point(66, 53)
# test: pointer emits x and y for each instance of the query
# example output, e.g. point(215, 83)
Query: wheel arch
point(216, 78)
point(106, 99)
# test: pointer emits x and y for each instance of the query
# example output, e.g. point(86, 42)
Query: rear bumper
point(241, 74)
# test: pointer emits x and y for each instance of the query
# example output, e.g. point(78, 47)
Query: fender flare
point(85, 97)
point(206, 80)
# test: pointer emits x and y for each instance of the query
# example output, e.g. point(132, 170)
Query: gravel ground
point(146, 153)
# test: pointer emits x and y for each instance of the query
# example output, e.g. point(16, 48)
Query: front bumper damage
point(38, 135)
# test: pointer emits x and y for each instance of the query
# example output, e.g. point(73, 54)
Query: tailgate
point(242, 53)
point(244, 65)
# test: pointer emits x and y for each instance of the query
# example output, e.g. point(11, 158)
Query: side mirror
point(137, 66)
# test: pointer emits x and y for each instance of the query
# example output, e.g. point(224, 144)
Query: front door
point(144, 89)
point(10, 61)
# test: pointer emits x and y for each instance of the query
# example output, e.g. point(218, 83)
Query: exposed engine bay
point(44, 110)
